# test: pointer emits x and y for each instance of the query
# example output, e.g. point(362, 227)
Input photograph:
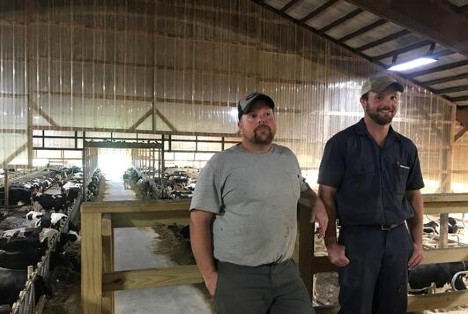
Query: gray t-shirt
point(254, 197)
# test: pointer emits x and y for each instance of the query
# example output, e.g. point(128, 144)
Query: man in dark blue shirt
point(370, 181)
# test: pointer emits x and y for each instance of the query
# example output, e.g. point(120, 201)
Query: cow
point(33, 218)
point(421, 277)
point(20, 243)
point(57, 220)
point(21, 259)
point(431, 227)
point(54, 202)
point(12, 282)
point(18, 194)
point(19, 233)
point(46, 219)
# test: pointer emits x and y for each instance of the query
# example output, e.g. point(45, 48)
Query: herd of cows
point(44, 228)
point(176, 183)
point(35, 230)
point(428, 276)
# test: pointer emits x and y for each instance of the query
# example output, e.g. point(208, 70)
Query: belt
point(389, 227)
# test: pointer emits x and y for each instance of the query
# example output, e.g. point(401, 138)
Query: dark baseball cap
point(246, 103)
point(378, 84)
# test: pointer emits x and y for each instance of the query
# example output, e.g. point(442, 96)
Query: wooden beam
point(445, 197)
point(306, 248)
point(115, 207)
point(439, 23)
point(436, 301)
point(165, 120)
point(91, 263)
point(108, 261)
point(462, 116)
point(112, 144)
point(149, 113)
point(44, 115)
point(445, 208)
point(12, 156)
point(150, 278)
point(461, 133)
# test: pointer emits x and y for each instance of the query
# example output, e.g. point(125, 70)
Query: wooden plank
point(443, 230)
point(108, 261)
point(445, 207)
point(150, 278)
point(148, 219)
point(437, 301)
point(445, 197)
point(445, 255)
point(91, 263)
point(134, 206)
point(322, 264)
point(306, 247)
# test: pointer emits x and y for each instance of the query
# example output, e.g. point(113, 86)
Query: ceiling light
point(412, 64)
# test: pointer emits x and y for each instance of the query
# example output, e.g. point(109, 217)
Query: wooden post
point(306, 247)
point(7, 188)
point(108, 261)
point(91, 263)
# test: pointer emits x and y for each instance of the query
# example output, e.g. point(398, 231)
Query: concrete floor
point(134, 250)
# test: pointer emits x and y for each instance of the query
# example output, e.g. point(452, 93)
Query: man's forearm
point(415, 223)
point(201, 243)
point(328, 199)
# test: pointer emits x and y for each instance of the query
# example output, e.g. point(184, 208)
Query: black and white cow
point(421, 277)
point(46, 219)
point(20, 233)
point(52, 202)
point(18, 244)
point(12, 282)
point(33, 218)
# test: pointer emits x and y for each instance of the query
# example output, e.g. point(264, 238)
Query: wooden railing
point(99, 280)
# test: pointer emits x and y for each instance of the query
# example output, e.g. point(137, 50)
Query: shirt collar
point(362, 130)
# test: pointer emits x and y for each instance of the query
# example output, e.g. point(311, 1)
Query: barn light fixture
point(408, 65)
point(415, 63)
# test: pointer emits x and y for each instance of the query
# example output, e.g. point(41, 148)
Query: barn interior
point(93, 90)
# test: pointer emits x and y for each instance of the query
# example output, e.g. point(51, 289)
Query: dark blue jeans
point(272, 289)
point(376, 279)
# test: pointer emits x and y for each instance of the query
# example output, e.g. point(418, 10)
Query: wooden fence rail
point(99, 280)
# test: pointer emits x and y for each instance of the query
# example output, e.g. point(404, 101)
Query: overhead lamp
point(408, 65)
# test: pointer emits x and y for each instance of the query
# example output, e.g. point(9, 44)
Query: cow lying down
point(421, 277)
point(12, 281)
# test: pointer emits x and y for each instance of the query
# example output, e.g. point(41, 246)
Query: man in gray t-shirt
point(243, 220)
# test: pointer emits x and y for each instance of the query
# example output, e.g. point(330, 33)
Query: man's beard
point(263, 135)
point(379, 119)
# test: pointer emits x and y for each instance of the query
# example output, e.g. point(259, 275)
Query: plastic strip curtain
point(180, 66)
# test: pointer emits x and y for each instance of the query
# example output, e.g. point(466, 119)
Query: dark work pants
point(272, 289)
point(376, 279)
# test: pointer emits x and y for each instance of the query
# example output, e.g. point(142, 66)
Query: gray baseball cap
point(246, 103)
point(378, 84)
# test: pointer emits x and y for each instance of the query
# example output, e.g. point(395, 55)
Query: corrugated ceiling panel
point(339, 9)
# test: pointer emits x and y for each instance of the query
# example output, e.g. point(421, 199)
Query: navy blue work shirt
point(371, 181)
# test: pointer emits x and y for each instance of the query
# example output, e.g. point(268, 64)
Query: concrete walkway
point(134, 250)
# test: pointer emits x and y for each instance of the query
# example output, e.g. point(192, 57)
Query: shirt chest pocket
point(401, 177)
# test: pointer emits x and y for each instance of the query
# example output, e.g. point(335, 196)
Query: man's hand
point(319, 214)
point(211, 281)
point(336, 254)
point(417, 256)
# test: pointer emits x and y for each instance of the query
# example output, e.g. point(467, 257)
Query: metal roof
point(393, 31)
